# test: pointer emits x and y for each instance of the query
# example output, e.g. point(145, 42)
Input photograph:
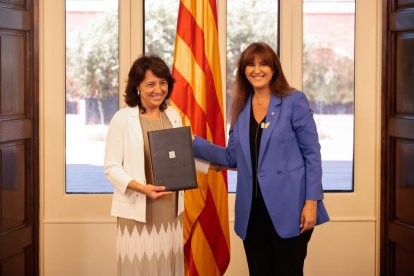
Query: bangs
point(259, 52)
point(159, 69)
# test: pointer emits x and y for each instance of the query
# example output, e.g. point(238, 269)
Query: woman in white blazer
point(149, 224)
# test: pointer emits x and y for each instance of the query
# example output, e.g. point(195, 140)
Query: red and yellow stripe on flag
point(198, 95)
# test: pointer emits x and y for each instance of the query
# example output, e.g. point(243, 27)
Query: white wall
point(77, 233)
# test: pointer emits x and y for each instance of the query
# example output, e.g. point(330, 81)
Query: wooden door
point(397, 189)
point(19, 146)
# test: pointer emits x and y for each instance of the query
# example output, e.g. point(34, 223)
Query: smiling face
point(153, 91)
point(259, 74)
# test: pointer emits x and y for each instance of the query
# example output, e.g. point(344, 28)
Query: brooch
point(264, 125)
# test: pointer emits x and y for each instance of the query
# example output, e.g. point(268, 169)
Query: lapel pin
point(265, 125)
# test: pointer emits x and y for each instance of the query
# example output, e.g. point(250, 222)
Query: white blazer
point(124, 161)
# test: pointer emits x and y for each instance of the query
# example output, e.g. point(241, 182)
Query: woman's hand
point(215, 167)
point(149, 190)
point(155, 192)
point(308, 216)
point(218, 168)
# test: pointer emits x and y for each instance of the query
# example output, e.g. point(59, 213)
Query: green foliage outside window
point(247, 22)
point(328, 79)
point(160, 29)
point(92, 62)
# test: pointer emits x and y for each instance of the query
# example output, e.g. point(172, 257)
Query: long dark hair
point(242, 87)
point(137, 73)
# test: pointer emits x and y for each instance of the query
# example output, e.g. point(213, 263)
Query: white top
point(124, 161)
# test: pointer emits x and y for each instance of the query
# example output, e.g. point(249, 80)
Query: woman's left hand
point(155, 192)
point(308, 216)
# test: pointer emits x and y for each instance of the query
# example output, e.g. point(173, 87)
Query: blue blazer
point(289, 164)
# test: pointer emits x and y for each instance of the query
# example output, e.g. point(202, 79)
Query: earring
point(137, 92)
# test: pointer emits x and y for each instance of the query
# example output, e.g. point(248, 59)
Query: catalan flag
point(198, 95)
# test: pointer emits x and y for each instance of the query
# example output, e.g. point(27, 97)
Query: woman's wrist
point(311, 202)
point(134, 185)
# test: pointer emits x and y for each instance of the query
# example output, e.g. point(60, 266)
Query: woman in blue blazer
point(273, 143)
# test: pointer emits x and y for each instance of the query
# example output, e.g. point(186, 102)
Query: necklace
point(260, 109)
point(149, 122)
point(260, 106)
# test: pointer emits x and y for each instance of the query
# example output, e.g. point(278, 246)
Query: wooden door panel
point(20, 3)
point(12, 45)
point(12, 208)
point(404, 179)
point(404, 73)
point(397, 189)
point(12, 266)
point(401, 127)
point(19, 156)
point(17, 242)
point(403, 262)
point(403, 3)
point(16, 3)
point(16, 129)
point(400, 235)
point(14, 19)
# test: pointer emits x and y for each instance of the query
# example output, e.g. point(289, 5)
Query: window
point(92, 69)
point(244, 18)
point(91, 99)
point(247, 21)
point(328, 82)
point(160, 21)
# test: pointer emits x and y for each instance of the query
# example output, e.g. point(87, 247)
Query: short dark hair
point(137, 73)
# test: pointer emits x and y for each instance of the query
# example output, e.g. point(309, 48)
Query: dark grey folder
point(172, 158)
